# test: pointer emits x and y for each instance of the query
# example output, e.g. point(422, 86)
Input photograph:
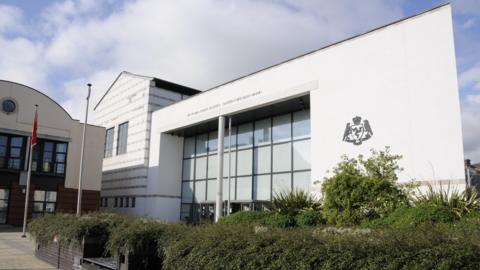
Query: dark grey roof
point(184, 90)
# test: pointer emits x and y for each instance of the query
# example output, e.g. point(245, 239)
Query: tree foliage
point(363, 189)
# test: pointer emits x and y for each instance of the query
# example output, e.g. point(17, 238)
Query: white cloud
point(201, 44)
point(10, 18)
point(470, 77)
point(471, 127)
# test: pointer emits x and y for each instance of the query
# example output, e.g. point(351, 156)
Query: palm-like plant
point(295, 201)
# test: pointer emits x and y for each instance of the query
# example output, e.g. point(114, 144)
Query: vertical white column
point(219, 204)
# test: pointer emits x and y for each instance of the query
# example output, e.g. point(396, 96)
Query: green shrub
point(363, 189)
point(240, 247)
point(70, 228)
point(309, 218)
point(246, 218)
point(292, 202)
point(280, 220)
point(413, 216)
point(460, 203)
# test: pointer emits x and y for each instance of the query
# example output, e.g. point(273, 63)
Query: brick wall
point(66, 202)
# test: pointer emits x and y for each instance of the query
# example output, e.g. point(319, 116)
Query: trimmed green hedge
point(304, 218)
point(240, 247)
point(225, 246)
point(70, 228)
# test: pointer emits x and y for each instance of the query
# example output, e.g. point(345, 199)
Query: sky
point(58, 46)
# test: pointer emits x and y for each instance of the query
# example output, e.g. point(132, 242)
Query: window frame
point(122, 146)
point(108, 148)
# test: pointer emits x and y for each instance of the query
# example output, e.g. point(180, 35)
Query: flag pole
point(80, 178)
point(33, 142)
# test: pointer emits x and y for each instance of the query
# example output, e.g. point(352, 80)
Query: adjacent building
point(393, 86)
point(55, 160)
point(125, 111)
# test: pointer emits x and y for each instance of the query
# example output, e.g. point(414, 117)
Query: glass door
point(3, 205)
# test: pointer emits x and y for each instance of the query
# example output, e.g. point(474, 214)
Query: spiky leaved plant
point(460, 203)
point(293, 202)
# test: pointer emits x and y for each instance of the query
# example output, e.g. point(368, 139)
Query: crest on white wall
point(357, 131)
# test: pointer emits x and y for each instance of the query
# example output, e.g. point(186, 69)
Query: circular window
point(8, 106)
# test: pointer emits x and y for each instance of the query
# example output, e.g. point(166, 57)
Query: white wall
point(402, 78)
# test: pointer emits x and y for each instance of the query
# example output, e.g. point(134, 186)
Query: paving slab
point(18, 253)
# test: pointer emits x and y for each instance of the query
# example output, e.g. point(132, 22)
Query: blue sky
point(57, 46)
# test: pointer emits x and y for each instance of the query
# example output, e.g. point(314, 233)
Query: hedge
point(225, 246)
point(240, 247)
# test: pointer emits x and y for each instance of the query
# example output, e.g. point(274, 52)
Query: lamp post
point(80, 177)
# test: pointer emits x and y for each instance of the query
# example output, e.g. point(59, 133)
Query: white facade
point(401, 78)
point(130, 99)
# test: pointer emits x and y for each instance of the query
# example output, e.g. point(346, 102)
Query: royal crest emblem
point(358, 131)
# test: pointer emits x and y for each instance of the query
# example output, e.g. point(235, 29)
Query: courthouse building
point(55, 160)
point(393, 86)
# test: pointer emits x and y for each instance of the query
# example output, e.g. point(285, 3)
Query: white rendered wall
point(132, 99)
point(402, 78)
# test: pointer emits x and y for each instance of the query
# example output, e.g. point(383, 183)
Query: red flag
point(34, 130)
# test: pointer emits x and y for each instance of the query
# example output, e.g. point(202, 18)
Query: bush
point(414, 216)
point(280, 220)
point(70, 228)
point(240, 247)
point(459, 203)
point(246, 218)
point(309, 218)
point(292, 202)
point(363, 189)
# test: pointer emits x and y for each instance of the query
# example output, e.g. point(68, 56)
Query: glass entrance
point(4, 193)
point(204, 212)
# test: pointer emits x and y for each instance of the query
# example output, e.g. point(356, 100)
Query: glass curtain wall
point(268, 156)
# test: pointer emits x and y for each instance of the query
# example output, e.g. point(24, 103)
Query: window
point(115, 202)
point(301, 124)
point(122, 138)
point(3, 151)
point(282, 157)
point(4, 193)
point(133, 202)
point(187, 191)
point(200, 191)
point(262, 160)
point(104, 202)
point(245, 162)
point(47, 157)
point(245, 136)
point(201, 168)
point(121, 202)
point(189, 147)
point(109, 142)
point(127, 202)
point(262, 132)
point(269, 156)
point(261, 188)
point(50, 157)
point(244, 188)
point(282, 129)
point(44, 202)
point(211, 190)
point(16, 149)
point(60, 158)
point(12, 152)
